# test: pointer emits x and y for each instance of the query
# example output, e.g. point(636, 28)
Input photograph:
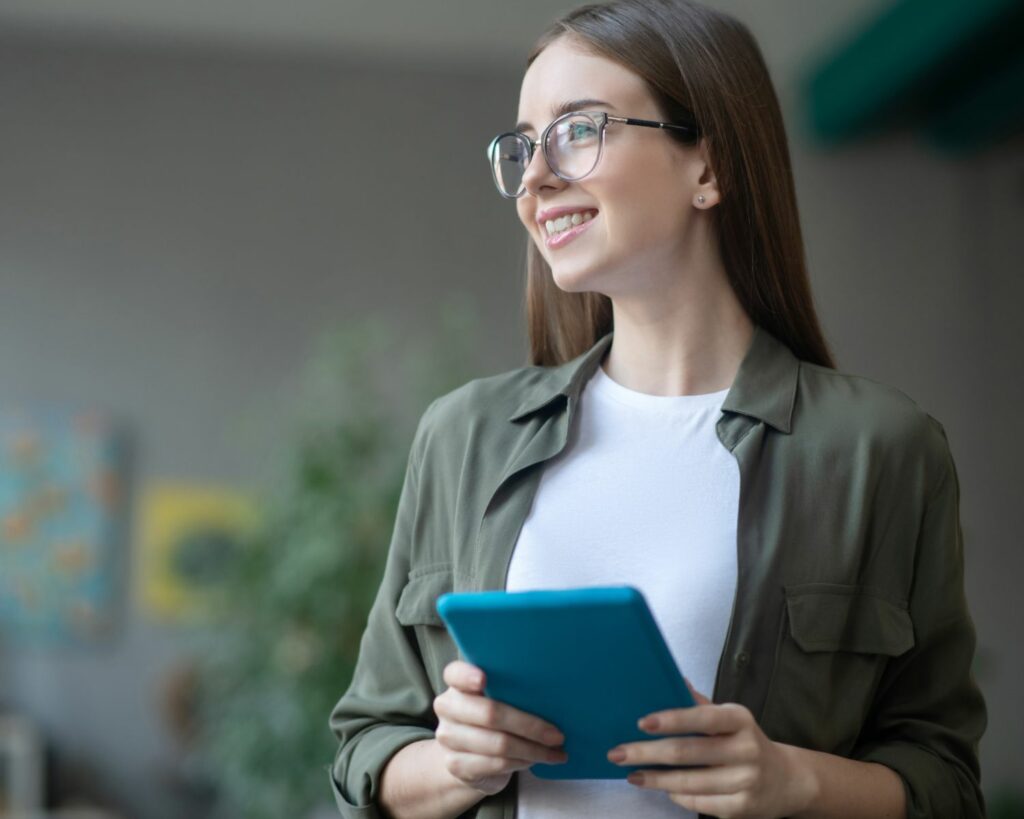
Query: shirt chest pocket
point(834, 643)
point(417, 609)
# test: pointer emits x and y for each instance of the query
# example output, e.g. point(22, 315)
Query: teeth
point(563, 223)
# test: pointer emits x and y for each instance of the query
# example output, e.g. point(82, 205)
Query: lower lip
point(566, 237)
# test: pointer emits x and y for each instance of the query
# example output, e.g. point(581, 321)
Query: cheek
point(525, 214)
point(644, 209)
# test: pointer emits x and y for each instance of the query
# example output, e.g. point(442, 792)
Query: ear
point(707, 183)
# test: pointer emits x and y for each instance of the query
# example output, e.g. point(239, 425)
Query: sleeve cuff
point(366, 763)
point(930, 789)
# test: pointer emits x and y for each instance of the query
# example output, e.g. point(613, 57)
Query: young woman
point(681, 429)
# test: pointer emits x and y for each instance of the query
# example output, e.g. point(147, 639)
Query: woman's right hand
point(484, 741)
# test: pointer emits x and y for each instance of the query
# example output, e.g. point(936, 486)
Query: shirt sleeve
point(929, 714)
point(389, 702)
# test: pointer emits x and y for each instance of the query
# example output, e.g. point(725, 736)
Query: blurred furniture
point(22, 775)
point(21, 767)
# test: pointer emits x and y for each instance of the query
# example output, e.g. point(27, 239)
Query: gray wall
point(175, 227)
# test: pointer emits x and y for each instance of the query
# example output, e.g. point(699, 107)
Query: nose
point(539, 175)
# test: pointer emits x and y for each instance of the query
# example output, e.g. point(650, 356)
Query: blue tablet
point(591, 661)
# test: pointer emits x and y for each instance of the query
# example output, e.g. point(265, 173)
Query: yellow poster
point(190, 534)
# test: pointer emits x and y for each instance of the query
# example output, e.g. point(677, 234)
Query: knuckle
point(503, 745)
point(744, 803)
point(489, 712)
point(740, 710)
point(749, 748)
point(748, 779)
point(454, 764)
point(678, 748)
point(464, 767)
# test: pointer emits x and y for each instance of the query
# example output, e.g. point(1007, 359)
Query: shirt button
point(742, 659)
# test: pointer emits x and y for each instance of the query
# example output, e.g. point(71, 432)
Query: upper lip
point(554, 213)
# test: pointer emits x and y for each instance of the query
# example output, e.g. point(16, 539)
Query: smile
point(568, 220)
point(563, 230)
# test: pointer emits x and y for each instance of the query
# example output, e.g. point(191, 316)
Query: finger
point(719, 781)
point(465, 677)
point(506, 718)
point(714, 750)
point(726, 718)
point(484, 742)
point(483, 712)
point(472, 767)
point(699, 698)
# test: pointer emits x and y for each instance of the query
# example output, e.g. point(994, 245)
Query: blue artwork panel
point(61, 514)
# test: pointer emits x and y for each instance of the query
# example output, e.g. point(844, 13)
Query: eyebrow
point(565, 108)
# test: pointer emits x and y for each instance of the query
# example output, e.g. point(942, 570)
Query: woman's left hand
point(748, 775)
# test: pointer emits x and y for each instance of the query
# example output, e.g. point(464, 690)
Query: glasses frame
point(600, 118)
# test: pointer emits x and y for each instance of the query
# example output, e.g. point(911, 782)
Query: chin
point(574, 279)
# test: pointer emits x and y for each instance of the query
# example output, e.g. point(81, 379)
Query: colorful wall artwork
point(62, 510)
point(189, 535)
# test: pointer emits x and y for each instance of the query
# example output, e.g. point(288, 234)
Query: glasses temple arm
point(648, 123)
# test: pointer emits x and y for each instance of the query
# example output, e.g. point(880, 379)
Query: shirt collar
point(764, 387)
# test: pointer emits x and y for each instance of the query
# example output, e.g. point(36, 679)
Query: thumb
point(697, 696)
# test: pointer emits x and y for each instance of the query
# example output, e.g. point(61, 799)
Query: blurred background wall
point(187, 199)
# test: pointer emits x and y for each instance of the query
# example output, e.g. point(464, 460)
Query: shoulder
point(480, 407)
point(492, 396)
point(866, 413)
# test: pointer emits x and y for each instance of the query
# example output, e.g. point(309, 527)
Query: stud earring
point(700, 198)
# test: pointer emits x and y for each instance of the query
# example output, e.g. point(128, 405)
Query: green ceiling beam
point(991, 111)
point(952, 68)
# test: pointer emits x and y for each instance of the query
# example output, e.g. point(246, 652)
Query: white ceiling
point(493, 32)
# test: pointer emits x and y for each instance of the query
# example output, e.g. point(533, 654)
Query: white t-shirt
point(643, 494)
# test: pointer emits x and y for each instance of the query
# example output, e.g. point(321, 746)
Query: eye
point(516, 153)
point(580, 129)
point(574, 133)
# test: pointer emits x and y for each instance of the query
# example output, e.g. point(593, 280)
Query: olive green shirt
point(849, 632)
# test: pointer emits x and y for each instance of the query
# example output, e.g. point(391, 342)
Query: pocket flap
point(836, 617)
point(417, 605)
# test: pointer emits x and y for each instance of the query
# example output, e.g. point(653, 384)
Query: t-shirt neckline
point(604, 385)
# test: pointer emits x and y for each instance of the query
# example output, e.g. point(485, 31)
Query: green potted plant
point(297, 594)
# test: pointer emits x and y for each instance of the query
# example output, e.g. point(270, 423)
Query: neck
point(689, 340)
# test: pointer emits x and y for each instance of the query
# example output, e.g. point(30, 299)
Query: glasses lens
point(510, 154)
point(573, 146)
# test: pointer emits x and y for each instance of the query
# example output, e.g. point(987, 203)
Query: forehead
point(566, 71)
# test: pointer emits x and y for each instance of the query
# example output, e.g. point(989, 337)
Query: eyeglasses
point(571, 144)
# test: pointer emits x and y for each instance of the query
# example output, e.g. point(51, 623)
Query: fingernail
point(649, 724)
point(553, 737)
point(617, 755)
point(635, 779)
point(477, 680)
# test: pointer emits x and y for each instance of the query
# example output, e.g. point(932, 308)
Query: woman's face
point(640, 194)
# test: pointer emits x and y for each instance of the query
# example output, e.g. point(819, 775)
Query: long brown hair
point(698, 63)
